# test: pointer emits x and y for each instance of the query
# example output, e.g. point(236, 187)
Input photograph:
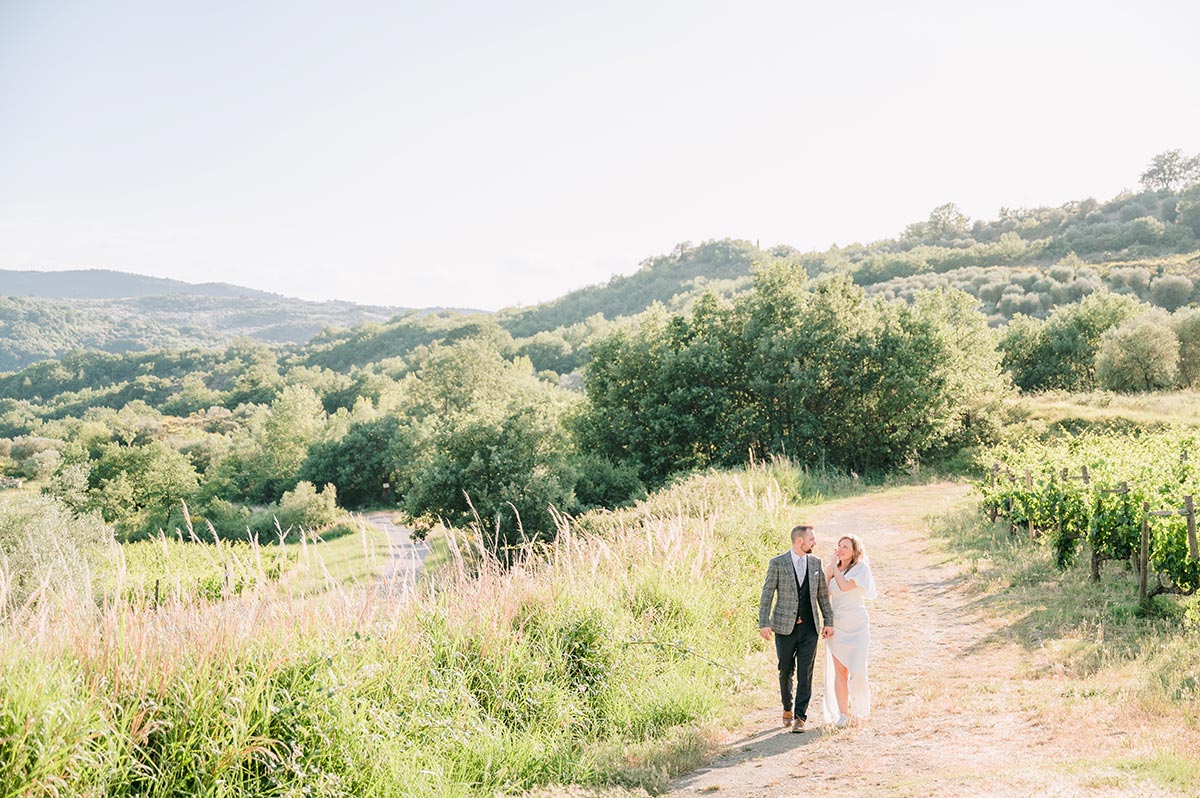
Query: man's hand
point(765, 631)
point(827, 632)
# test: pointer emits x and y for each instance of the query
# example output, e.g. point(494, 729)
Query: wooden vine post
point(1144, 553)
point(1029, 489)
point(1188, 511)
point(1012, 480)
point(992, 484)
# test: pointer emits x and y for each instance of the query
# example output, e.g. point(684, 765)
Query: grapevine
point(1099, 490)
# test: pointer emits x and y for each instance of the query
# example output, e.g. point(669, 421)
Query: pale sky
point(483, 155)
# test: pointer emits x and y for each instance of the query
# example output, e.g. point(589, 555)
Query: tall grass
point(582, 662)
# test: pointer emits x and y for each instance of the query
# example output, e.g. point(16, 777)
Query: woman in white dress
point(847, 692)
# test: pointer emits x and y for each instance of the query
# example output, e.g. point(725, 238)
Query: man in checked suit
point(796, 583)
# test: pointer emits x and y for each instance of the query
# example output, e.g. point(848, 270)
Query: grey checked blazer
point(781, 586)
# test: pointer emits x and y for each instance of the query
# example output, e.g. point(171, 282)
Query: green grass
point(178, 569)
point(1166, 770)
point(355, 556)
point(1076, 411)
point(1085, 628)
point(605, 658)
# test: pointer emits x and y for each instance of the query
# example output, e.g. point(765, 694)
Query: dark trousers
point(797, 653)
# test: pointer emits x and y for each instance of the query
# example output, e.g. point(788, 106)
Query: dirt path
point(406, 556)
point(956, 713)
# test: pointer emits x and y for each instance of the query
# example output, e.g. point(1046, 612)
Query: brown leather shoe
point(787, 719)
point(798, 726)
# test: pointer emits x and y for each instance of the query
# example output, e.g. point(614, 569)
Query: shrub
point(1140, 355)
point(306, 508)
point(44, 543)
point(601, 483)
point(1171, 291)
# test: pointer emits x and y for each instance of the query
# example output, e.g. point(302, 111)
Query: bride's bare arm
point(842, 581)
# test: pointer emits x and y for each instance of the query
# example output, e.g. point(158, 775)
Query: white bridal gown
point(851, 636)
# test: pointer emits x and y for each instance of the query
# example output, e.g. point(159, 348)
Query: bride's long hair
point(859, 552)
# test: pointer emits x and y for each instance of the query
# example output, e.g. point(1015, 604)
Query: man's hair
point(799, 530)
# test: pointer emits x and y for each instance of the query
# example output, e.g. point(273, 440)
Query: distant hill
point(34, 329)
point(1028, 260)
point(1156, 234)
point(44, 315)
point(108, 284)
point(686, 270)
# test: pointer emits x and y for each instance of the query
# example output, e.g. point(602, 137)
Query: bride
point(847, 692)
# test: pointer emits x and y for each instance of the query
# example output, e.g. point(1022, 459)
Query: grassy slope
point(1076, 410)
point(608, 661)
point(603, 662)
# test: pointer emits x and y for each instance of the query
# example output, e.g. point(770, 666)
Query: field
point(619, 660)
point(1075, 410)
point(593, 662)
point(353, 557)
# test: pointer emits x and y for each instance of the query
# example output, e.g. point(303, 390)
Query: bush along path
point(968, 700)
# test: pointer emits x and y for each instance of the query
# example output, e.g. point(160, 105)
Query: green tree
point(70, 486)
point(369, 456)
point(296, 420)
point(455, 377)
point(489, 439)
point(602, 483)
point(140, 489)
point(947, 221)
point(193, 394)
point(1186, 324)
point(973, 379)
point(823, 375)
point(304, 507)
point(264, 459)
point(1146, 230)
point(659, 394)
point(1025, 352)
point(1170, 170)
point(549, 351)
point(1061, 353)
point(1171, 291)
point(1187, 210)
point(1141, 354)
point(503, 467)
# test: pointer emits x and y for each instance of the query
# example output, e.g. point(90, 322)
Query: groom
point(796, 583)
